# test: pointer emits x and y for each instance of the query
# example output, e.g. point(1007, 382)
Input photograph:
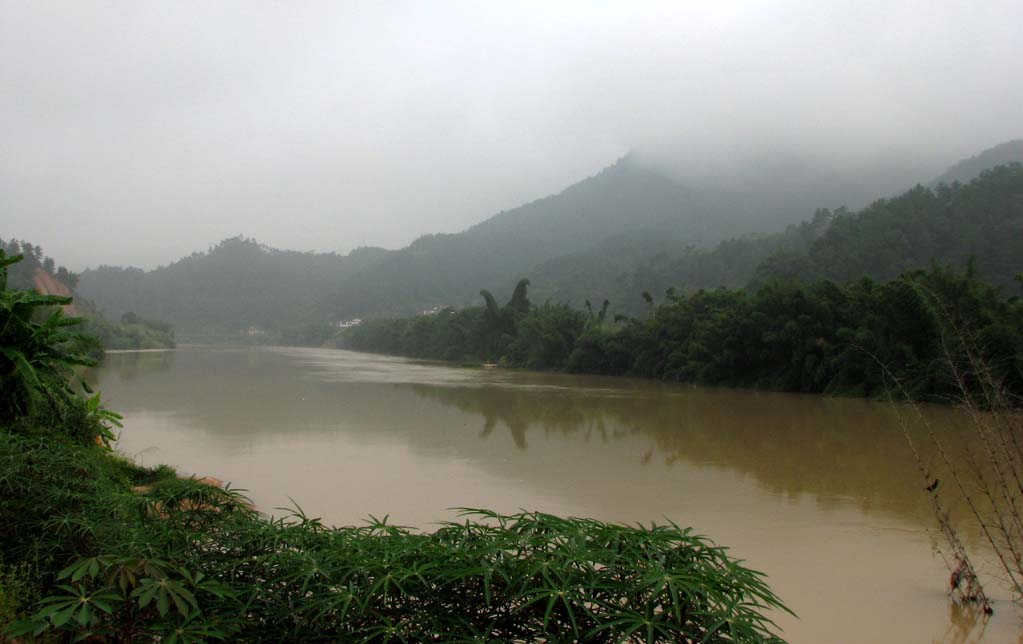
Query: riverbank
point(908, 338)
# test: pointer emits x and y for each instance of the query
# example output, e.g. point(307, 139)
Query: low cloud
point(134, 133)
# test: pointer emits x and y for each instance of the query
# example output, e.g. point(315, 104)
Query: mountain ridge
point(630, 222)
point(969, 168)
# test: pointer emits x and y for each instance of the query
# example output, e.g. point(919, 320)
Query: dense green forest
point(97, 548)
point(949, 224)
point(861, 338)
point(236, 285)
point(37, 271)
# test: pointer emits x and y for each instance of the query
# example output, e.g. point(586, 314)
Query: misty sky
point(137, 132)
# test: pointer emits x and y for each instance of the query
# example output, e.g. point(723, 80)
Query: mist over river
point(819, 493)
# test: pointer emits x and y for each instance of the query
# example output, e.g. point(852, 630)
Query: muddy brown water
point(821, 494)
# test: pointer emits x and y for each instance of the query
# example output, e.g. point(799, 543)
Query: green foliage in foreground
point(133, 332)
point(36, 357)
point(787, 336)
point(178, 559)
point(96, 548)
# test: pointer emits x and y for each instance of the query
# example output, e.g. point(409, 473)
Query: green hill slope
point(968, 169)
point(981, 220)
point(237, 284)
point(947, 224)
point(628, 229)
point(620, 215)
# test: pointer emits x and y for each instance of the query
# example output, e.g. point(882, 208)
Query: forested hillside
point(968, 169)
point(623, 268)
point(982, 220)
point(236, 285)
point(241, 283)
point(629, 229)
point(949, 224)
point(604, 218)
point(449, 269)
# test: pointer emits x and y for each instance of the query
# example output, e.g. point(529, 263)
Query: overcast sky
point(137, 132)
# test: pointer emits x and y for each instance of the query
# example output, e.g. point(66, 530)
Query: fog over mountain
point(630, 230)
point(136, 134)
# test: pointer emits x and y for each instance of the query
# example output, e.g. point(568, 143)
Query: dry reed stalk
point(992, 467)
point(995, 428)
point(964, 583)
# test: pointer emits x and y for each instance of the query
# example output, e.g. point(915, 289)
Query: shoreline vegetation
point(96, 548)
point(783, 336)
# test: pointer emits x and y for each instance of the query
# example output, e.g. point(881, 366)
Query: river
point(821, 494)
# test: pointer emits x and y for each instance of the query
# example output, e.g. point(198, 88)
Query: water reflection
point(129, 365)
point(792, 444)
point(837, 450)
point(965, 624)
